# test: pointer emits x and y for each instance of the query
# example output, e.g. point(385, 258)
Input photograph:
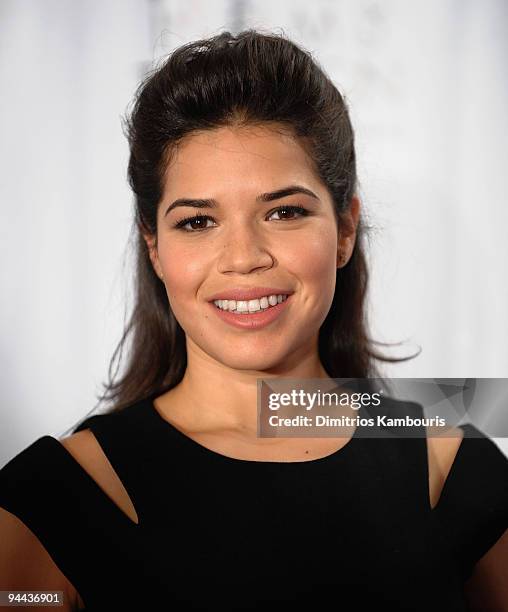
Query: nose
point(244, 249)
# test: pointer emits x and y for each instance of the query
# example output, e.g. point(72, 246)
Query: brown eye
point(197, 223)
point(288, 212)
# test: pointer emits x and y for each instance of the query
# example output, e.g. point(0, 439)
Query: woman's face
point(246, 242)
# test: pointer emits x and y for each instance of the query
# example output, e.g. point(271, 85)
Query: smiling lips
point(259, 306)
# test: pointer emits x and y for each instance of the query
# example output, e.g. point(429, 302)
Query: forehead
point(238, 156)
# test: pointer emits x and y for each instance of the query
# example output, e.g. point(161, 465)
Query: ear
point(151, 243)
point(347, 231)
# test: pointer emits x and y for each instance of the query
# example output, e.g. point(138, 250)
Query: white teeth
point(250, 306)
point(241, 306)
point(254, 305)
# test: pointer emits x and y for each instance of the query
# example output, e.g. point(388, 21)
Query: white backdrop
point(427, 88)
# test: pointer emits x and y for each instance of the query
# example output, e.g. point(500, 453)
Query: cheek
point(314, 257)
point(183, 269)
point(183, 275)
point(315, 265)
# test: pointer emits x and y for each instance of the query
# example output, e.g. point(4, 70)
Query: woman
point(250, 265)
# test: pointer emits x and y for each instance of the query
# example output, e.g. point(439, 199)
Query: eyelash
point(180, 224)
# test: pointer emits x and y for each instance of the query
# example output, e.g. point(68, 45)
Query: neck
point(213, 396)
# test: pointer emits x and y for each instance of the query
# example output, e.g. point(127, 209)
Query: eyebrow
point(264, 197)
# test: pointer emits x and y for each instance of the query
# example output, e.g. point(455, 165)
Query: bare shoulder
point(441, 453)
point(86, 450)
point(83, 446)
point(26, 565)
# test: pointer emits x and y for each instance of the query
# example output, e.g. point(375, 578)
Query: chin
point(250, 362)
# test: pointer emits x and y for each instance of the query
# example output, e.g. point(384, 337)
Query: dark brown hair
point(248, 79)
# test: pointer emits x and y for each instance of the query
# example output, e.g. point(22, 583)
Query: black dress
point(350, 531)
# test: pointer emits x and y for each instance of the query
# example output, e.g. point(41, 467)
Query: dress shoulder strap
point(398, 455)
point(473, 506)
point(125, 437)
point(47, 489)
